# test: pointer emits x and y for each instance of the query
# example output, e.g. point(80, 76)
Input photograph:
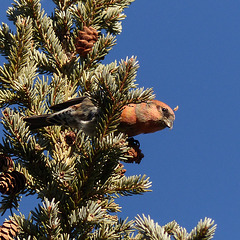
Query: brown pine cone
point(135, 152)
point(70, 138)
point(12, 182)
point(8, 230)
point(86, 40)
point(6, 163)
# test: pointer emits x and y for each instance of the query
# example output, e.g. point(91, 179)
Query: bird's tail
point(38, 121)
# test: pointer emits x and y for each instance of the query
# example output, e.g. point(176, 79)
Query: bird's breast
point(141, 118)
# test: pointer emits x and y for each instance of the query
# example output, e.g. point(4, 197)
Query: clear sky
point(189, 52)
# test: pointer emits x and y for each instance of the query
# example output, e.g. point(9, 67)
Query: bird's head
point(166, 114)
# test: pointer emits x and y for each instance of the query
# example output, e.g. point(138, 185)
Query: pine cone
point(6, 163)
point(134, 151)
point(8, 230)
point(70, 138)
point(12, 182)
point(86, 40)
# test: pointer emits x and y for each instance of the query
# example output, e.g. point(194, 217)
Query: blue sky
point(189, 52)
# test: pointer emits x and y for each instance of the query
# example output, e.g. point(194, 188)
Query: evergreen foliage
point(78, 180)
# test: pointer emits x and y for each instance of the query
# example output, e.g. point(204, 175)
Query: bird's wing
point(38, 121)
point(64, 105)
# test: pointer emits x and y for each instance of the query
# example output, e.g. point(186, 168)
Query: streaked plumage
point(77, 113)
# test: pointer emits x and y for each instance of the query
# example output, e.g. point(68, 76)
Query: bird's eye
point(164, 110)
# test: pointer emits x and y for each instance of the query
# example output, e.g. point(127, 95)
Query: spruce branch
point(6, 39)
point(18, 139)
point(19, 52)
point(127, 186)
point(22, 144)
point(118, 83)
point(31, 186)
point(120, 230)
point(100, 14)
point(44, 32)
point(24, 8)
point(62, 171)
point(27, 229)
point(126, 74)
point(61, 89)
point(43, 62)
point(180, 233)
point(171, 227)
point(64, 4)
point(63, 23)
point(9, 202)
point(85, 79)
point(83, 13)
point(8, 97)
point(99, 164)
point(100, 49)
point(51, 43)
point(108, 202)
point(111, 18)
point(18, 75)
point(140, 95)
point(205, 229)
point(84, 219)
point(109, 3)
point(150, 230)
point(41, 92)
point(47, 219)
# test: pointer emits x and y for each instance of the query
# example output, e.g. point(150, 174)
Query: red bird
point(146, 117)
point(80, 113)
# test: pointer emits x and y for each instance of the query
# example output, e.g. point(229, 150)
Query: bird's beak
point(169, 123)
